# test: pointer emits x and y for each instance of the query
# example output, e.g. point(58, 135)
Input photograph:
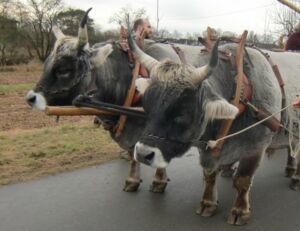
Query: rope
point(212, 143)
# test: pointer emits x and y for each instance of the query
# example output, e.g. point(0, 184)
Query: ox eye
point(181, 119)
point(63, 73)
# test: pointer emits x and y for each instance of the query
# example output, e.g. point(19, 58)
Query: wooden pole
point(81, 111)
point(290, 5)
point(130, 94)
point(74, 111)
point(226, 124)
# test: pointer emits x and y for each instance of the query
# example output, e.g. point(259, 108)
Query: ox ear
point(101, 56)
point(82, 32)
point(220, 109)
point(57, 32)
point(141, 56)
point(142, 84)
point(199, 74)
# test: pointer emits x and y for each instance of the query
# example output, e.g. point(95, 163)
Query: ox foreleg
point(160, 181)
point(291, 165)
point(209, 203)
point(240, 213)
point(228, 170)
point(295, 180)
point(132, 182)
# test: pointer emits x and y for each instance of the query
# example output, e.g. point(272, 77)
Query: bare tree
point(11, 45)
point(252, 38)
point(36, 20)
point(286, 18)
point(127, 15)
point(163, 34)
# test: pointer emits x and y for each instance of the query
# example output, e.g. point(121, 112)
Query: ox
point(187, 111)
point(103, 72)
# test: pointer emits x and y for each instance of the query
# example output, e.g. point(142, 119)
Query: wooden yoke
point(130, 93)
point(290, 5)
point(211, 38)
point(226, 124)
point(75, 111)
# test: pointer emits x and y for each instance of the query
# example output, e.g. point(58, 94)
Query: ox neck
point(113, 77)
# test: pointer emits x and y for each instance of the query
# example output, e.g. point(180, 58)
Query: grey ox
point(104, 72)
point(185, 106)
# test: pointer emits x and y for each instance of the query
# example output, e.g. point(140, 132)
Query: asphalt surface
point(92, 199)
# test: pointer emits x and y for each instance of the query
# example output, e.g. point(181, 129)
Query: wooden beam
point(74, 111)
point(290, 5)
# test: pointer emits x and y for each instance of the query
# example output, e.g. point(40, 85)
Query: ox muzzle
point(36, 100)
point(148, 155)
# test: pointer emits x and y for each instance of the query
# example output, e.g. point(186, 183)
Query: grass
point(28, 154)
point(5, 88)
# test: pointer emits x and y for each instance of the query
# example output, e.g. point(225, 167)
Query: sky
point(191, 16)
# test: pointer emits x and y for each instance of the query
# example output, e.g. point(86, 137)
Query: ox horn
point(82, 33)
point(57, 32)
point(142, 57)
point(201, 73)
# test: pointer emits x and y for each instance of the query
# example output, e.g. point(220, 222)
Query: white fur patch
point(220, 109)
point(158, 159)
point(39, 102)
point(102, 55)
point(142, 84)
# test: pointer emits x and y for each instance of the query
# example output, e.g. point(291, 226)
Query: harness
point(240, 99)
point(133, 96)
point(243, 92)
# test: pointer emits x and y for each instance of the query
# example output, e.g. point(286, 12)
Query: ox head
point(65, 69)
point(179, 105)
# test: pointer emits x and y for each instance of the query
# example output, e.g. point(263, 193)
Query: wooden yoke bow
point(131, 91)
point(226, 124)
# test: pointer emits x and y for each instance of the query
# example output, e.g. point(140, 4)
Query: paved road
point(92, 199)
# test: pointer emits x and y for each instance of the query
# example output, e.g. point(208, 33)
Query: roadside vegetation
point(33, 144)
point(15, 87)
point(28, 154)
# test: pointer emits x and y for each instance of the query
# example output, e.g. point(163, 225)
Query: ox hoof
point(158, 186)
point(131, 186)
point(295, 184)
point(228, 173)
point(207, 208)
point(238, 217)
point(289, 172)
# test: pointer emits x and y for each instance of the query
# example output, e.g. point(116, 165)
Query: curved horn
point(201, 73)
point(142, 57)
point(57, 32)
point(82, 32)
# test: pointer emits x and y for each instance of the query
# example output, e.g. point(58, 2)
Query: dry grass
point(32, 144)
point(21, 74)
point(5, 88)
point(27, 154)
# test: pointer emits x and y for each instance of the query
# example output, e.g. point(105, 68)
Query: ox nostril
point(31, 99)
point(149, 157)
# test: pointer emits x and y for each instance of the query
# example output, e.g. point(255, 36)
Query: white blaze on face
point(36, 100)
point(158, 160)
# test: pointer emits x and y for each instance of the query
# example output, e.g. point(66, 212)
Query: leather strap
point(226, 124)
point(180, 54)
point(131, 91)
point(277, 74)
